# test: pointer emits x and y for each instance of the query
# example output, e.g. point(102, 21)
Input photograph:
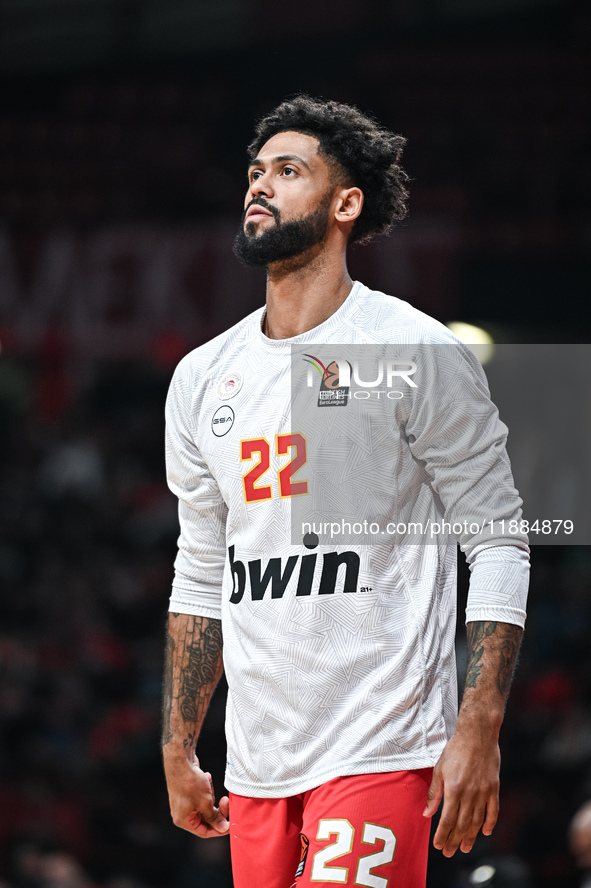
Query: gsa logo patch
point(222, 421)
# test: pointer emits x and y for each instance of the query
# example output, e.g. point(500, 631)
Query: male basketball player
point(341, 720)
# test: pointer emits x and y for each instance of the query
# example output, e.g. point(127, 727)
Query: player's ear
point(349, 204)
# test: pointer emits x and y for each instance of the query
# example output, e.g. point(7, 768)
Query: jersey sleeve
point(199, 564)
point(454, 427)
point(498, 584)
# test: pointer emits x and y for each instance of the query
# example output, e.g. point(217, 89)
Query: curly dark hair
point(368, 154)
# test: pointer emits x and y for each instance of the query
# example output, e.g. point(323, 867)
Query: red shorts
point(365, 830)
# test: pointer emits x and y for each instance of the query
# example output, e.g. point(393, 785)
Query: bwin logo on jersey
point(278, 577)
point(335, 381)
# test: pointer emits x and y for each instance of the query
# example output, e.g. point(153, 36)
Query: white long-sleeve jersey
point(339, 658)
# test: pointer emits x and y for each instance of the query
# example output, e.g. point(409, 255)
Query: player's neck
point(301, 298)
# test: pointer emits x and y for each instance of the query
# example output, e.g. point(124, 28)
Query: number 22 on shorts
point(372, 834)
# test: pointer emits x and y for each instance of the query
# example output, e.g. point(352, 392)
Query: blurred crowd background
point(123, 126)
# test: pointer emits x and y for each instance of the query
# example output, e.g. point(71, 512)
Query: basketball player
point(341, 719)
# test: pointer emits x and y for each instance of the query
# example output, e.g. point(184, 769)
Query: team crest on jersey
point(229, 385)
point(303, 854)
point(332, 393)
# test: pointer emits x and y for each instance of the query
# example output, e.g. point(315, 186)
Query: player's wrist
point(178, 751)
point(476, 718)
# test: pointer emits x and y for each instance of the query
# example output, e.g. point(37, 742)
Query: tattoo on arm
point(200, 671)
point(506, 644)
point(511, 639)
point(477, 632)
point(167, 689)
point(190, 741)
point(192, 670)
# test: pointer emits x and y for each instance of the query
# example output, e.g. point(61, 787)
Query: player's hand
point(467, 778)
point(192, 798)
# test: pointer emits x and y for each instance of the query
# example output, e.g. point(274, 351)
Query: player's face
point(287, 205)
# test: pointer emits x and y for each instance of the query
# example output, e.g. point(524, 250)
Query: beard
point(284, 240)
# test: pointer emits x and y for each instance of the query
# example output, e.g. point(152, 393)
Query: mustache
point(261, 202)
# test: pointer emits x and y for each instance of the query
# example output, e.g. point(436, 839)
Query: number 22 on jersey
point(259, 449)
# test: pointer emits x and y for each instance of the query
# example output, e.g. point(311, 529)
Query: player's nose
point(262, 186)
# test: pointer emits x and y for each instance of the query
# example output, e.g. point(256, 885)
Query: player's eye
point(288, 171)
point(254, 175)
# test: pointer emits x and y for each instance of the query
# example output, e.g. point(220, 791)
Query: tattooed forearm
point(200, 670)
point(190, 741)
point(492, 655)
point(167, 689)
point(510, 642)
point(192, 670)
point(477, 632)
